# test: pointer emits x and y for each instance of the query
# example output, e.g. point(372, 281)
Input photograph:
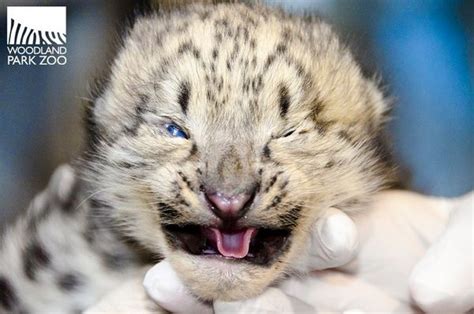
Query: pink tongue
point(235, 244)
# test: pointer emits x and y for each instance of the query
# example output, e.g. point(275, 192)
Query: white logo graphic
point(36, 35)
point(36, 25)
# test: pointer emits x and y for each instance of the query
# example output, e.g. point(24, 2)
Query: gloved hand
point(395, 235)
point(443, 281)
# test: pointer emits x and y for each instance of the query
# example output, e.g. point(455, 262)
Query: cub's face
point(223, 132)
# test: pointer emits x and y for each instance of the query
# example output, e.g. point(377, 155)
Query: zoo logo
point(36, 35)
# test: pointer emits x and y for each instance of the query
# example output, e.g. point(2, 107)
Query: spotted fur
point(269, 101)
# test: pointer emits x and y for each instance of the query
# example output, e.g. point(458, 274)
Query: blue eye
point(175, 131)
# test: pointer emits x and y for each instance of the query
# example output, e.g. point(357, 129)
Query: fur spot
point(131, 130)
point(140, 108)
point(344, 135)
point(275, 201)
point(185, 47)
point(124, 164)
point(186, 180)
point(128, 165)
point(35, 257)
point(284, 101)
point(269, 62)
point(181, 200)
point(271, 183)
point(69, 282)
point(258, 186)
point(300, 71)
point(183, 96)
point(322, 126)
point(8, 296)
point(290, 218)
point(267, 152)
point(317, 108)
point(193, 151)
point(329, 164)
point(142, 104)
point(281, 48)
point(215, 53)
point(167, 213)
point(188, 47)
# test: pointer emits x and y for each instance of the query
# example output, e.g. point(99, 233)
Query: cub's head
point(221, 135)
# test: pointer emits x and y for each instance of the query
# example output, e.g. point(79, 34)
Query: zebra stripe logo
point(23, 35)
point(36, 25)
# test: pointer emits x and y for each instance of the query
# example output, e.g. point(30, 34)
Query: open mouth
point(258, 246)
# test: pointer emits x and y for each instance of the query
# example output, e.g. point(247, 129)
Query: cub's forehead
point(236, 63)
point(226, 56)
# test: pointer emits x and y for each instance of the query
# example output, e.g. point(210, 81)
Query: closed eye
point(288, 133)
point(175, 131)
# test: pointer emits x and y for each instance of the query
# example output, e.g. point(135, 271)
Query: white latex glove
point(443, 281)
point(129, 297)
point(395, 235)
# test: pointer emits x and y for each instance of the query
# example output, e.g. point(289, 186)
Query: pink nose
point(224, 206)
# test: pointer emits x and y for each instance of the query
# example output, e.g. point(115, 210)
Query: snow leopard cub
point(221, 134)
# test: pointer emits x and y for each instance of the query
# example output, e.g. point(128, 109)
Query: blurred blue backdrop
point(422, 50)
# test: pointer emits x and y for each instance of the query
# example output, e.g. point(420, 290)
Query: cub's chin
point(216, 278)
point(227, 264)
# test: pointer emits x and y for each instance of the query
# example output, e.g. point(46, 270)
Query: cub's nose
point(229, 206)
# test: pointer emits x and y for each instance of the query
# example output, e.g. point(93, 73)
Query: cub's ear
point(379, 104)
point(118, 101)
point(120, 90)
point(343, 93)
